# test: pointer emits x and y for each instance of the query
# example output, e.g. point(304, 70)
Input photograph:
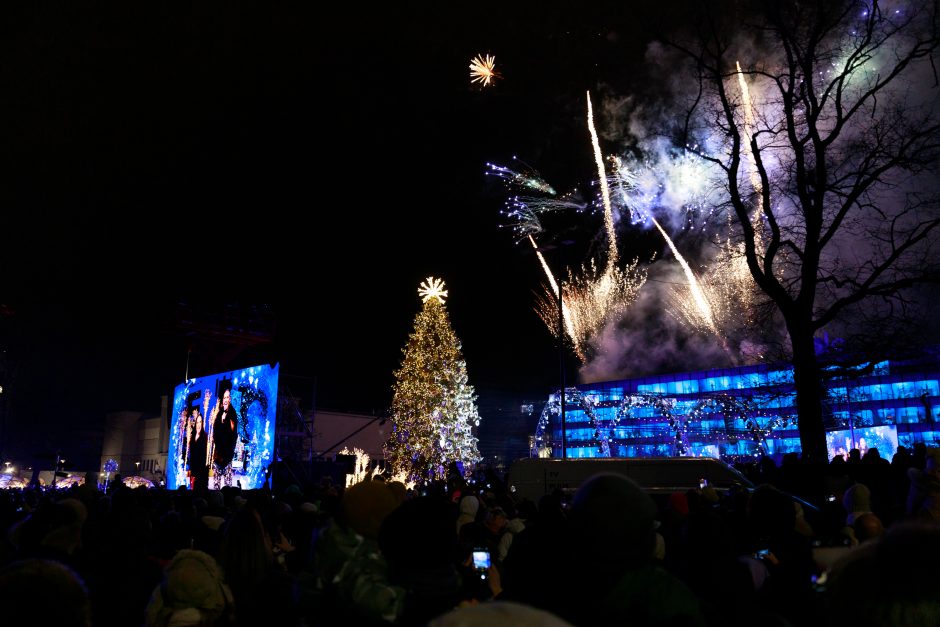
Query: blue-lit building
point(742, 412)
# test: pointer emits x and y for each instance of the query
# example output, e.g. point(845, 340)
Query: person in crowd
point(514, 526)
point(498, 614)
point(43, 593)
point(528, 563)
point(264, 592)
point(469, 506)
point(923, 499)
point(868, 527)
point(53, 531)
point(351, 574)
point(609, 558)
point(889, 581)
point(192, 592)
point(785, 583)
point(419, 544)
point(856, 501)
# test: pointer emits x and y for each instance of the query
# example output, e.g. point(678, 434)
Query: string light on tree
point(433, 405)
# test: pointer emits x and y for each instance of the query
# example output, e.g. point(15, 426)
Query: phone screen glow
point(481, 560)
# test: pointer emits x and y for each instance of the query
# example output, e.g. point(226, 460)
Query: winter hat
point(498, 614)
point(366, 504)
point(679, 503)
point(610, 513)
point(192, 591)
point(856, 501)
point(36, 591)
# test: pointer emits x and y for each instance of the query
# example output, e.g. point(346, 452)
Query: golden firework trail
point(605, 190)
point(698, 296)
point(565, 311)
point(733, 256)
point(594, 299)
point(749, 126)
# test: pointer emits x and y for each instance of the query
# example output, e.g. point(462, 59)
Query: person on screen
point(198, 454)
point(183, 435)
point(181, 442)
point(224, 437)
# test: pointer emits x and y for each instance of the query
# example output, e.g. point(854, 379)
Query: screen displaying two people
point(222, 433)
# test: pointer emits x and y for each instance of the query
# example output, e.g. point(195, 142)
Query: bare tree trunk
point(809, 395)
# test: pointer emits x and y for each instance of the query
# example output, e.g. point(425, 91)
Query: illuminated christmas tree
point(434, 406)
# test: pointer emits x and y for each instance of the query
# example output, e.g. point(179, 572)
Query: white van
point(534, 477)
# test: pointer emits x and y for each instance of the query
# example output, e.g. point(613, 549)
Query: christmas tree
point(433, 406)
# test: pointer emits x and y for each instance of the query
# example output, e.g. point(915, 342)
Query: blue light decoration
point(739, 414)
point(253, 394)
point(110, 466)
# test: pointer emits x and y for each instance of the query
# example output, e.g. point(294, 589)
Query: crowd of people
point(854, 542)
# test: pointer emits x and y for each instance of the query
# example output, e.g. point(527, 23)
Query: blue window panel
point(928, 387)
point(583, 451)
point(907, 415)
point(575, 435)
point(780, 377)
point(710, 426)
point(902, 389)
point(884, 416)
point(837, 395)
point(684, 407)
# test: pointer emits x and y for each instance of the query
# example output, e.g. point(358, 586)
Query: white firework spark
point(483, 69)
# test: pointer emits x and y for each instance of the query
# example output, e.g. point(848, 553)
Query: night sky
point(309, 167)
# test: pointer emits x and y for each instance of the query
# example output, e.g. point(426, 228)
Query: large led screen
point(222, 430)
point(884, 438)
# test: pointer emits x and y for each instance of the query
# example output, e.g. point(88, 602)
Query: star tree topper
point(432, 288)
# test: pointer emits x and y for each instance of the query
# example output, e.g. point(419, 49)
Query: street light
point(138, 467)
point(55, 470)
point(561, 339)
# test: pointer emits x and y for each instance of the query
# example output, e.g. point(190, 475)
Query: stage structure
point(293, 450)
point(743, 413)
point(222, 429)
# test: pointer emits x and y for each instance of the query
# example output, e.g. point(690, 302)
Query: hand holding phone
point(481, 562)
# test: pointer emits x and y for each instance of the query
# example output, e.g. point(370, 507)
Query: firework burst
point(692, 306)
point(523, 212)
point(483, 70)
point(592, 299)
point(523, 176)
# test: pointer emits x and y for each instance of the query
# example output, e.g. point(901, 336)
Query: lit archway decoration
point(663, 405)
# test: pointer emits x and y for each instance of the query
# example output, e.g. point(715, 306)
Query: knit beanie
point(366, 504)
point(193, 590)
